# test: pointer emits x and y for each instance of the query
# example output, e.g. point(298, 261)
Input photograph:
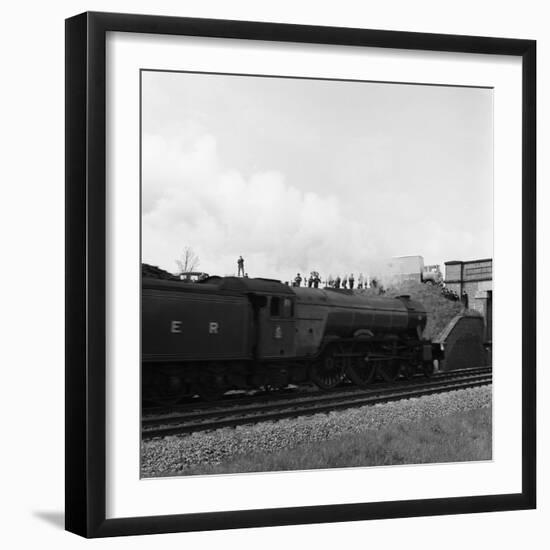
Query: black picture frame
point(86, 267)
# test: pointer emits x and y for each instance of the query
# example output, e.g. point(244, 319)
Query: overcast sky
point(299, 175)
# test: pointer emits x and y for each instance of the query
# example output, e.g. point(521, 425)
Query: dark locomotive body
point(234, 333)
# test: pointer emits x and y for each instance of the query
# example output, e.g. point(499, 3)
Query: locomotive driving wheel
point(389, 370)
point(360, 370)
point(328, 371)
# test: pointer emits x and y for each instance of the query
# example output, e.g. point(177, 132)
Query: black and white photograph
point(274, 275)
point(316, 273)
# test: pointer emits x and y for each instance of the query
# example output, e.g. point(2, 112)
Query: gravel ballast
point(172, 454)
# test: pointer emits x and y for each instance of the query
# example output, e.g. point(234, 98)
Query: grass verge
point(465, 436)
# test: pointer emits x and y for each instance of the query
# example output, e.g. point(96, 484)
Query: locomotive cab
point(275, 326)
point(273, 311)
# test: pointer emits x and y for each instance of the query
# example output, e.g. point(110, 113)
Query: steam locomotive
point(228, 333)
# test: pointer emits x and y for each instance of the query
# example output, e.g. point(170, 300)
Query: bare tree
point(188, 261)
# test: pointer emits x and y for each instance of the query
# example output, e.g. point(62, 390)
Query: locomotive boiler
point(228, 333)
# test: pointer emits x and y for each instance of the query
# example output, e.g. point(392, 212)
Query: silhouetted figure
point(337, 281)
point(297, 280)
point(465, 299)
point(240, 267)
point(316, 279)
point(351, 281)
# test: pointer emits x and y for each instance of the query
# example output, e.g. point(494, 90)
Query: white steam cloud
point(190, 200)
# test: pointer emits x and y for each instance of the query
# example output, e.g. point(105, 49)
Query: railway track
point(241, 411)
point(242, 399)
point(228, 400)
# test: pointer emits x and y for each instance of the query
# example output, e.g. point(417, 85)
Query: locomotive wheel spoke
point(361, 371)
point(389, 370)
point(327, 372)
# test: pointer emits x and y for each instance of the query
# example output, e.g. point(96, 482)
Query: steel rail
point(212, 420)
point(211, 411)
point(157, 412)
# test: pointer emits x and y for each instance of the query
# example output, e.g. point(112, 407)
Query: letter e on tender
point(175, 327)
